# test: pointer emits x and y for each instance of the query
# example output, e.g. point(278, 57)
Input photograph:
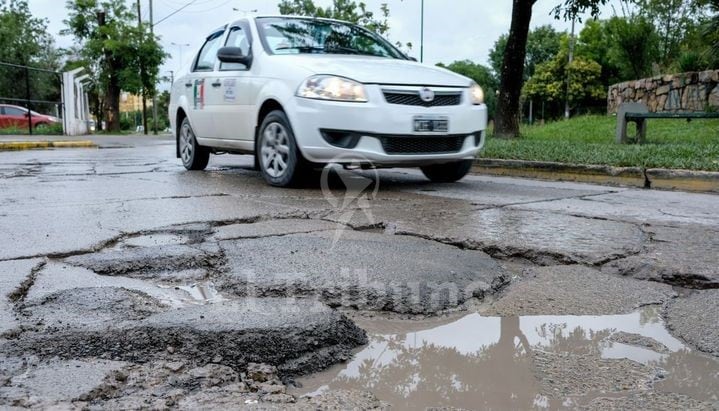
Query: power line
point(174, 12)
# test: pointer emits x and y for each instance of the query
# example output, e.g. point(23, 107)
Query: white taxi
point(299, 93)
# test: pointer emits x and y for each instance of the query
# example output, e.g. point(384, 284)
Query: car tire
point(193, 155)
point(280, 160)
point(41, 127)
point(448, 172)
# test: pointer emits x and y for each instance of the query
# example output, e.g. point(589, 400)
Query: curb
point(32, 145)
point(658, 178)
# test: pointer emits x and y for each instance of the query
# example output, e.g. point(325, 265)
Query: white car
point(300, 93)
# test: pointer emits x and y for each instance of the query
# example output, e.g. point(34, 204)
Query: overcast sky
point(454, 29)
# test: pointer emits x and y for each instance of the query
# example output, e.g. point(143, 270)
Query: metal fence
point(30, 100)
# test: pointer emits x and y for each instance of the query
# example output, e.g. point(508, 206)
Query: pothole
point(173, 262)
point(527, 362)
point(297, 336)
point(361, 270)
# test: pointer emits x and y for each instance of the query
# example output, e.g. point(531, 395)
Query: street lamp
point(179, 47)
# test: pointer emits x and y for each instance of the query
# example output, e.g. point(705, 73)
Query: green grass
point(590, 140)
point(52, 129)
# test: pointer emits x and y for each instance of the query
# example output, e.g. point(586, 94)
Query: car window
point(12, 111)
point(311, 36)
point(237, 38)
point(208, 53)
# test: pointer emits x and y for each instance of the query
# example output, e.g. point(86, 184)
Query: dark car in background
point(19, 117)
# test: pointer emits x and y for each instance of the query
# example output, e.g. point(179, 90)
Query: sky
point(454, 29)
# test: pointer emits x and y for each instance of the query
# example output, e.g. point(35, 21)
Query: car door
point(16, 117)
point(233, 112)
point(197, 86)
point(4, 122)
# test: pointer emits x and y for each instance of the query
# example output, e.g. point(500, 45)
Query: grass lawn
point(54, 130)
point(590, 140)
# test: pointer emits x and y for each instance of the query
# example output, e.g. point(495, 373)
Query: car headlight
point(477, 94)
point(332, 88)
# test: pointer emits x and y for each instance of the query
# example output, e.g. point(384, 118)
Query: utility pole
point(142, 71)
point(571, 58)
point(421, 36)
point(154, 86)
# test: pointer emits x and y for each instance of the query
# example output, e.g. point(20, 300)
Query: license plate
point(431, 124)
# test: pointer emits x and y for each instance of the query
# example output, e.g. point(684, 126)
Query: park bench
point(638, 113)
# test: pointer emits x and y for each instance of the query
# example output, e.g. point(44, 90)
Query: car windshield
point(313, 36)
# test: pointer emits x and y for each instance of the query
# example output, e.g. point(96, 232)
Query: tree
point(542, 45)
point(347, 10)
point(672, 20)
point(24, 40)
point(506, 120)
point(481, 75)
point(510, 89)
point(710, 30)
point(118, 49)
point(700, 48)
point(634, 46)
point(594, 43)
point(549, 82)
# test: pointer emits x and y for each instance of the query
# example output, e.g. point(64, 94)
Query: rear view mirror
point(233, 55)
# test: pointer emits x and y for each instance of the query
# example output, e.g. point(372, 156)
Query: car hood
point(377, 70)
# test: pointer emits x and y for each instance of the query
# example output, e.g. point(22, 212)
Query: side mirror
point(233, 55)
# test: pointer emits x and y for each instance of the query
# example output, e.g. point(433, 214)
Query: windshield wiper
point(301, 48)
point(348, 50)
point(328, 50)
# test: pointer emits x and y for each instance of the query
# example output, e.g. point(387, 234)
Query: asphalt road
point(152, 286)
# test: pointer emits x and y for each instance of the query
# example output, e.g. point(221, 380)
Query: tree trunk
point(112, 98)
point(506, 123)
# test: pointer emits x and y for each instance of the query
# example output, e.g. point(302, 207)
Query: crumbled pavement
point(637, 340)
point(540, 237)
point(147, 262)
point(362, 270)
point(694, 265)
point(695, 319)
point(649, 400)
point(151, 287)
point(298, 336)
point(16, 277)
point(51, 383)
point(576, 290)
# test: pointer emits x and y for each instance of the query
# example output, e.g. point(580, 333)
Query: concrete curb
point(659, 178)
point(32, 145)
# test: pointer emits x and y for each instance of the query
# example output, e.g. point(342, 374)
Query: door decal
point(230, 94)
point(199, 94)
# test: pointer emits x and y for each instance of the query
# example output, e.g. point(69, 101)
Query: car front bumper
point(383, 134)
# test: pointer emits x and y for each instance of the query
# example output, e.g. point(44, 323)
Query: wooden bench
point(638, 113)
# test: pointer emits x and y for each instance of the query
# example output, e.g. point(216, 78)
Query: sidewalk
point(658, 178)
point(26, 142)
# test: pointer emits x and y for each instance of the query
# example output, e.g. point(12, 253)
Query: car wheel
point(448, 172)
point(280, 160)
point(41, 128)
point(193, 155)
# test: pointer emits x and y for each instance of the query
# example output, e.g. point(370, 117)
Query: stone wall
point(692, 91)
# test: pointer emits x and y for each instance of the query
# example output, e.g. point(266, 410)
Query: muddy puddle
point(530, 362)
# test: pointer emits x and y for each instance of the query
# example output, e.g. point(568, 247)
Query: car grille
point(422, 145)
point(413, 99)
